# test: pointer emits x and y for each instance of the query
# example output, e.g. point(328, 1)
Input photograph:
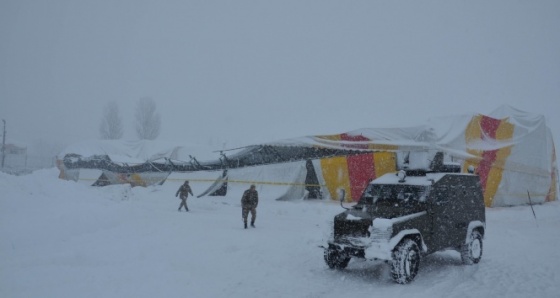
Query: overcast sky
point(242, 72)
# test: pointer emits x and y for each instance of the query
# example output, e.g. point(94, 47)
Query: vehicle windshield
point(376, 194)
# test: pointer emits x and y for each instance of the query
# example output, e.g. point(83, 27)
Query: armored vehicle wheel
point(471, 252)
point(406, 261)
point(335, 259)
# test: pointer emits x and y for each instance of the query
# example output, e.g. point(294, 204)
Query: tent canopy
point(512, 150)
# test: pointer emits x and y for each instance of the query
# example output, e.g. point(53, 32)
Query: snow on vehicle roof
point(392, 178)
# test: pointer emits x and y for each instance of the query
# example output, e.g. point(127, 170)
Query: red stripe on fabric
point(488, 158)
point(361, 171)
point(360, 167)
point(358, 138)
point(489, 127)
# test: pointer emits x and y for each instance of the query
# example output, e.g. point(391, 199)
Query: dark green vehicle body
point(436, 211)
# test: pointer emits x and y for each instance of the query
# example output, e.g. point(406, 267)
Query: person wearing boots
point(183, 194)
point(249, 202)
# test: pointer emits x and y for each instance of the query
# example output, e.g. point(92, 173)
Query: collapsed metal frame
point(249, 156)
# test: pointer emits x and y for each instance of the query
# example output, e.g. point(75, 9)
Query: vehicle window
point(402, 194)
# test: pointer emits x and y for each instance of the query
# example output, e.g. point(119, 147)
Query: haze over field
point(233, 73)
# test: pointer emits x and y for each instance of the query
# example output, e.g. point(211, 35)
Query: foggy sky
point(244, 72)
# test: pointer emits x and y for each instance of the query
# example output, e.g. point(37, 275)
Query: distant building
point(14, 149)
point(14, 158)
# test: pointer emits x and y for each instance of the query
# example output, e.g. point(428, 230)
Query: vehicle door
point(442, 212)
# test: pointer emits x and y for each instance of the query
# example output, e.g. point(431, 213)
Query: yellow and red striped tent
point(513, 152)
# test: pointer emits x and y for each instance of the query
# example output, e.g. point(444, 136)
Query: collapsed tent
point(513, 153)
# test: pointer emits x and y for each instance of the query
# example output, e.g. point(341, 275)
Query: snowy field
point(65, 239)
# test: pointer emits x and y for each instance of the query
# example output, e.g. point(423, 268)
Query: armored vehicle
point(404, 216)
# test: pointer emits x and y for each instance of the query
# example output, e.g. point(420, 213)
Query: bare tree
point(111, 127)
point(148, 120)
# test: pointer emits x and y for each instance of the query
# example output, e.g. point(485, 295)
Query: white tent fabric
point(279, 181)
point(137, 152)
point(512, 149)
point(530, 164)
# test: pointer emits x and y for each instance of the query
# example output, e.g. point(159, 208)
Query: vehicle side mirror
point(341, 195)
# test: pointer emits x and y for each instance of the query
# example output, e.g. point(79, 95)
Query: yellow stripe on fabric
point(335, 173)
point(60, 166)
point(504, 132)
point(383, 147)
point(552, 192)
point(473, 133)
point(330, 137)
point(137, 180)
point(385, 162)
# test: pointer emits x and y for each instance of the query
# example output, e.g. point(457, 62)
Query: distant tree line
point(147, 121)
point(111, 127)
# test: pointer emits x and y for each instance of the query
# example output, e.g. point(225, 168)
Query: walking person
point(183, 194)
point(249, 202)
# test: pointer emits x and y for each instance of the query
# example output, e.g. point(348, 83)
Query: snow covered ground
point(65, 239)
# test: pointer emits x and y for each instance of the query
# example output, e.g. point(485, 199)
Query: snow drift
point(64, 239)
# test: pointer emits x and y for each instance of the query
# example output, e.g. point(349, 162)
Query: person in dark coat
point(183, 194)
point(249, 202)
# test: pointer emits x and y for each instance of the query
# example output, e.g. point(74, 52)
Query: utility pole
point(4, 143)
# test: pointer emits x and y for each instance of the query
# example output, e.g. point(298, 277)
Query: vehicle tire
point(336, 259)
point(471, 252)
point(406, 261)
